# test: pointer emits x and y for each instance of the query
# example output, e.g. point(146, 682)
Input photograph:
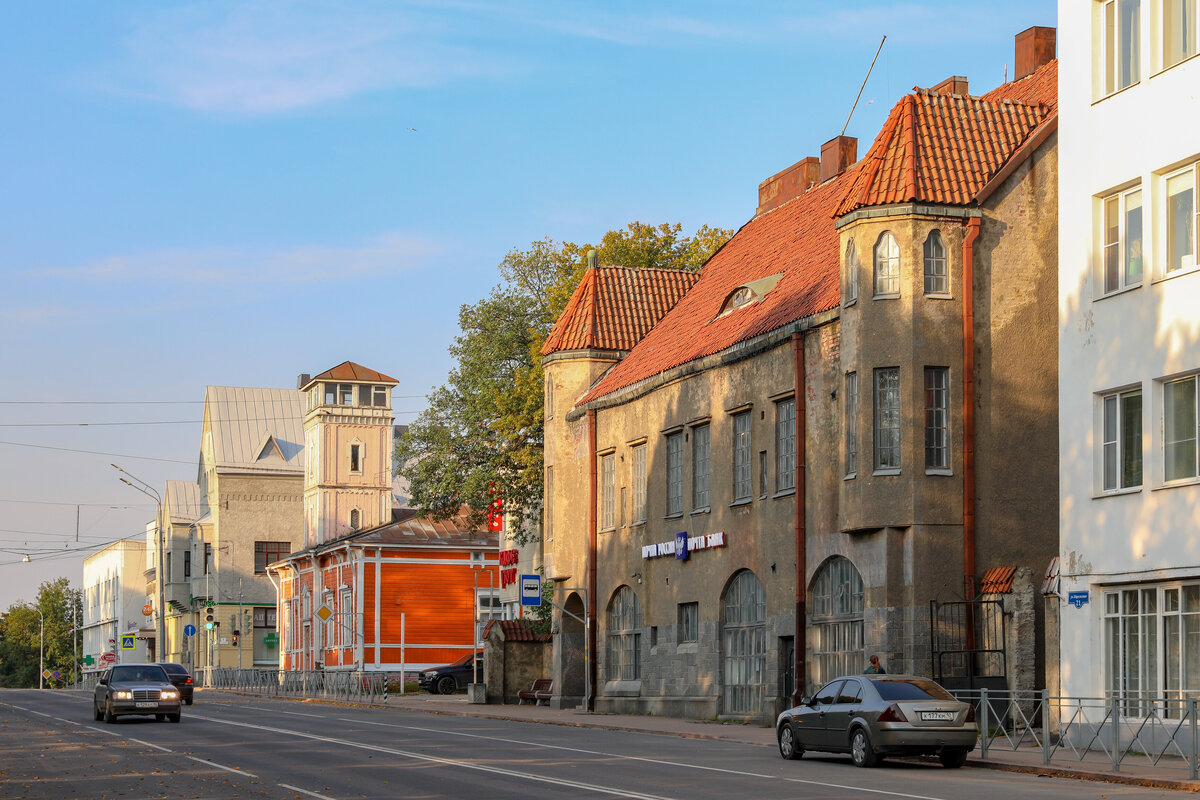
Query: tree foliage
point(21, 631)
point(481, 436)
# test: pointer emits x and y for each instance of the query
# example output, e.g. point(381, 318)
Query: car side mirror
point(104, 681)
point(806, 701)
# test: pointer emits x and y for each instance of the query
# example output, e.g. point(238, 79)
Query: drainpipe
point(800, 641)
point(968, 320)
point(590, 700)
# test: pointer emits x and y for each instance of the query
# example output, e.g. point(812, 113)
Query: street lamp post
point(159, 623)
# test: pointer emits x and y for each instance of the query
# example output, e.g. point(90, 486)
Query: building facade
point(1129, 351)
point(114, 599)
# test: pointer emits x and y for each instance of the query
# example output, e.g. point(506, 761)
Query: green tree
point(21, 634)
point(481, 437)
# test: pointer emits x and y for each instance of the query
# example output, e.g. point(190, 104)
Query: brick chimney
point(792, 182)
point(836, 155)
point(955, 84)
point(1035, 48)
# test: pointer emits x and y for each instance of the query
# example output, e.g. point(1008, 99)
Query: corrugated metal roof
point(256, 430)
point(183, 501)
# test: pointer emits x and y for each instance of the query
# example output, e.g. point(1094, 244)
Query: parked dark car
point(872, 716)
point(128, 689)
point(181, 679)
point(452, 677)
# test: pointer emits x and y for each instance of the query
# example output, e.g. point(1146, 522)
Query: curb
point(1085, 775)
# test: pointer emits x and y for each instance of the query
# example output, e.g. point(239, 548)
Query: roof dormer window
point(748, 294)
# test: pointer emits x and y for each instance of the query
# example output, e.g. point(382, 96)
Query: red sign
point(508, 576)
point(495, 515)
point(108, 658)
point(147, 609)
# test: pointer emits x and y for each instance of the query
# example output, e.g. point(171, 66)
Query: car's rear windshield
point(175, 669)
point(910, 689)
point(132, 673)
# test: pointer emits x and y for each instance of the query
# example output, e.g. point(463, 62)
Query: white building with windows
point(114, 599)
point(1129, 347)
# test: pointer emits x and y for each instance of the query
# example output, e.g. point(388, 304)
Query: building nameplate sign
point(691, 543)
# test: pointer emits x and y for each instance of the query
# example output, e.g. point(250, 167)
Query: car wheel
point(160, 717)
point(789, 745)
point(861, 750)
point(109, 717)
point(97, 714)
point(952, 759)
point(446, 685)
point(174, 717)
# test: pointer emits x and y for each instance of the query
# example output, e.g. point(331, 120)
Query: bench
point(542, 689)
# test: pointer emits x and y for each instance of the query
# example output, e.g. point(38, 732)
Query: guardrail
point(1109, 731)
point(357, 687)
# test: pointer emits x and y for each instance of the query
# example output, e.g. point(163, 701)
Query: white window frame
point(886, 265)
point(936, 265)
point(689, 623)
point(889, 453)
point(675, 474)
point(853, 267)
point(639, 484)
point(1117, 443)
point(623, 660)
point(1187, 29)
point(851, 424)
point(1186, 440)
point(608, 491)
point(1120, 266)
point(785, 445)
point(743, 483)
point(701, 467)
point(1112, 36)
point(1188, 261)
point(937, 420)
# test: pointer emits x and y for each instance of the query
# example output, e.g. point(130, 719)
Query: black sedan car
point(129, 689)
point(452, 677)
point(178, 675)
point(872, 716)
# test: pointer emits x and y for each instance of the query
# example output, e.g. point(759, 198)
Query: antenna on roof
point(864, 84)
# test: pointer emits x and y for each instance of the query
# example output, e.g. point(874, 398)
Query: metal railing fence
point(357, 687)
point(1105, 731)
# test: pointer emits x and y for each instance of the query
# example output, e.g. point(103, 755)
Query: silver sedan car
point(128, 689)
point(872, 716)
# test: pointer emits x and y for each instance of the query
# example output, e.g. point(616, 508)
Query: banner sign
point(508, 564)
point(689, 544)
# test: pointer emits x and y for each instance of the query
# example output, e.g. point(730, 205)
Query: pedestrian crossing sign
point(129, 642)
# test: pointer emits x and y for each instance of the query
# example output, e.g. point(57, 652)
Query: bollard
point(1045, 693)
point(1115, 718)
point(984, 726)
point(1192, 766)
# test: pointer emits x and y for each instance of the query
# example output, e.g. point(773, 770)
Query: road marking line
point(101, 730)
point(305, 791)
point(156, 747)
point(40, 714)
point(68, 721)
point(296, 713)
point(445, 761)
point(647, 760)
point(222, 766)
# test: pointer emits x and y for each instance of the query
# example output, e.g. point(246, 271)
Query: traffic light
point(209, 621)
point(236, 634)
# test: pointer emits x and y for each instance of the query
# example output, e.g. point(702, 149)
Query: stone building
point(850, 415)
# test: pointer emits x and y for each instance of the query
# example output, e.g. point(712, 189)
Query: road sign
point(189, 630)
point(57, 674)
point(112, 641)
point(129, 642)
point(108, 658)
point(47, 674)
point(147, 609)
point(324, 612)
point(531, 590)
point(89, 660)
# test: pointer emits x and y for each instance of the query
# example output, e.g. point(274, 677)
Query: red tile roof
point(1039, 87)
point(614, 307)
point(997, 580)
point(349, 371)
point(516, 630)
point(939, 148)
point(797, 239)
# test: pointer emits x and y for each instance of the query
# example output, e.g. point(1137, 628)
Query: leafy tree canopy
point(21, 632)
point(481, 437)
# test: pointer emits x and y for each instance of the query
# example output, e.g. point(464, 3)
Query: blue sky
point(236, 193)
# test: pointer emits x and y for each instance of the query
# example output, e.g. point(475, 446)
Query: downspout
point(800, 642)
point(973, 227)
point(590, 700)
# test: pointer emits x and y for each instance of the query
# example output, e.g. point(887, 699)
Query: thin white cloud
point(389, 254)
point(32, 315)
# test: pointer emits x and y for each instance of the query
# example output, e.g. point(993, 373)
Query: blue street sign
point(531, 590)
point(189, 630)
point(681, 551)
point(128, 642)
point(1077, 599)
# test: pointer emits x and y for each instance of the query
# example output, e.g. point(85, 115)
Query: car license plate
point(145, 705)
point(937, 716)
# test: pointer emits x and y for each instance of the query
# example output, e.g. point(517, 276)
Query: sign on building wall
point(1078, 599)
point(683, 545)
point(508, 567)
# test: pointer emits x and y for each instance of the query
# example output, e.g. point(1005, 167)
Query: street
point(229, 746)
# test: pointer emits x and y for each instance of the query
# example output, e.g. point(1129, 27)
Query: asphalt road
point(241, 747)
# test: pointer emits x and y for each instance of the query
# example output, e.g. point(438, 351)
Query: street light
point(159, 622)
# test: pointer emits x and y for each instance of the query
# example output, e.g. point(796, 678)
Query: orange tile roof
point(997, 580)
point(938, 148)
point(614, 307)
point(797, 239)
point(1038, 87)
point(516, 630)
point(349, 371)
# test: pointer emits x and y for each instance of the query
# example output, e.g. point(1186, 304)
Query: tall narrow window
point(608, 490)
point(1181, 219)
point(208, 552)
point(549, 412)
point(355, 519)
point(1179, 31)
point(851, 423)
point(887, 266)
point(852, 270)
point(1122, 440)
point(1122, 240)
point(624, 660)
point(675, 474)
point(937, 418)
point(1179, 430)
point(701, 467)
point(762, 474)
point(785, 444)
point(187, 563)
point(741, 457)
point(356, 458)
point(639, 484)
point(548, 507)
point(887, 418)
point(1122, 44)
point(937, 276)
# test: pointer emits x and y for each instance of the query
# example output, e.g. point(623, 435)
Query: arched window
point(852, 267)
point(744, 644)
point(837, 621)
point(887, 265)
point(937, 278)
point(355, 519)
point(624, 657)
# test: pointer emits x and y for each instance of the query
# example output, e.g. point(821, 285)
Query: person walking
point(874, 667)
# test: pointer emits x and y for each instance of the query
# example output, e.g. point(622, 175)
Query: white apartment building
point(114, 597)
point(1129, 348)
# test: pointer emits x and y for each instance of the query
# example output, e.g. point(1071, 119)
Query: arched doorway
point(836, 621)
point(571, 682)
point(743, 644)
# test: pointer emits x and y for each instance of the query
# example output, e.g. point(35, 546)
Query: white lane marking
point(296, 713)
point(68, 721)
point(305, 791)
point(444, 761)
point(101, 730)
point(40, 714)
point(649, 760)
point(222, 766)
point(156, 747)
